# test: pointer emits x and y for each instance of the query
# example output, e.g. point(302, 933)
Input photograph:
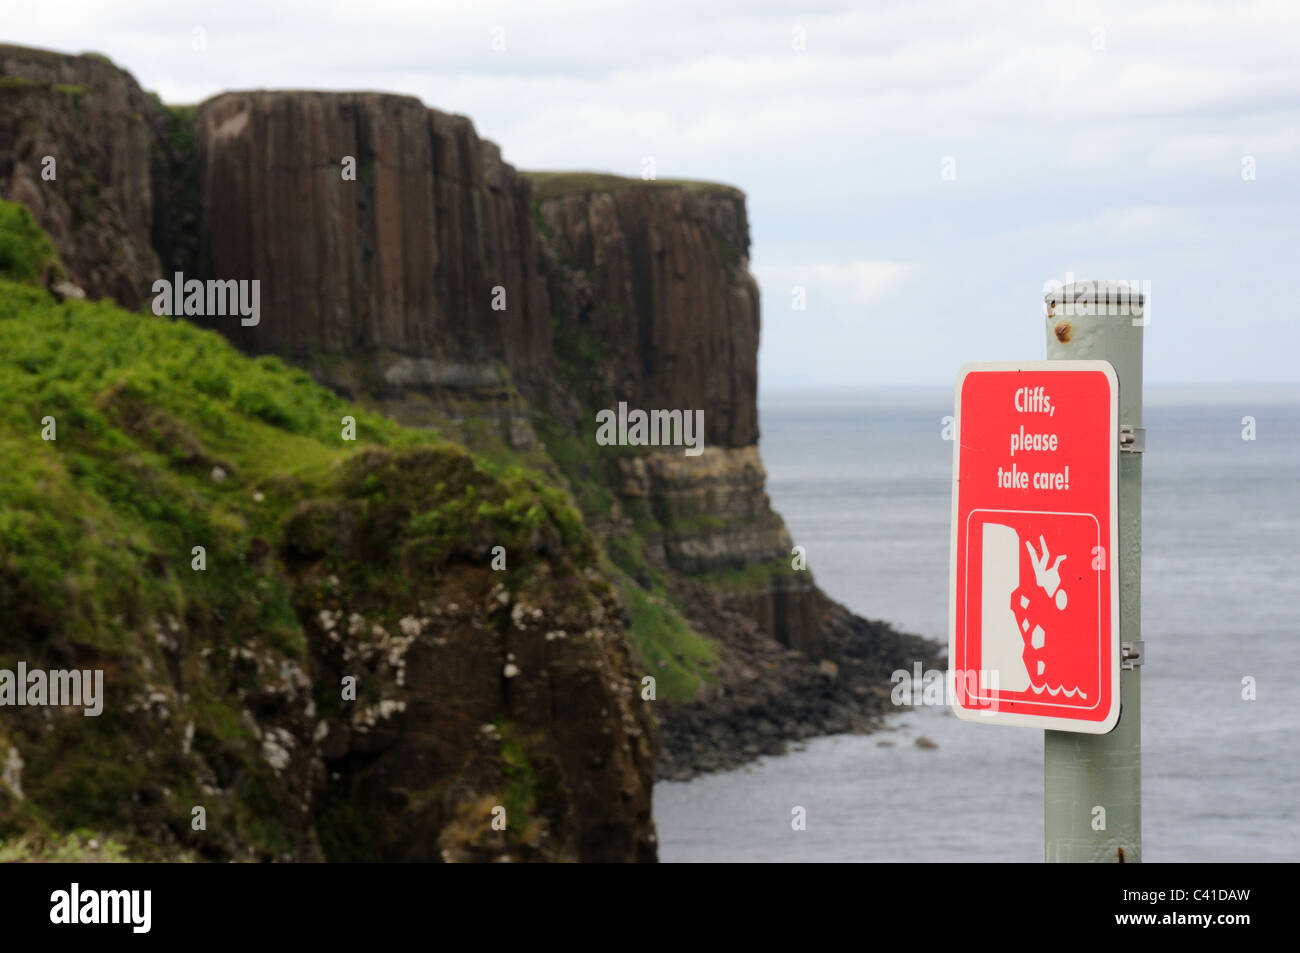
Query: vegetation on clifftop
point(550, 185)
point(128, 441)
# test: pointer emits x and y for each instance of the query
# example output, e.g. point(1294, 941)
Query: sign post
point(1084, 773)
point(1044, 627)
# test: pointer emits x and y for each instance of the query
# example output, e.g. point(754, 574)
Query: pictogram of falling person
point(1035, 608)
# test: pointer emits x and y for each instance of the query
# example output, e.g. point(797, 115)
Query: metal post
point(1081, 772)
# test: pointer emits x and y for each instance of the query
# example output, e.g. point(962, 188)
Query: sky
point(918, 172)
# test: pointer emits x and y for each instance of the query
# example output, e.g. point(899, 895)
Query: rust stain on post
point(1063, 331)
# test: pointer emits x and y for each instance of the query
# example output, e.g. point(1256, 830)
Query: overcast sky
point(1156, 142)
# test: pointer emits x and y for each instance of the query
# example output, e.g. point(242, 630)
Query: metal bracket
point(1132, 439)
point(1133, 654)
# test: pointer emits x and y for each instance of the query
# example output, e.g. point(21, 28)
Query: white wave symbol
point(1069, 692)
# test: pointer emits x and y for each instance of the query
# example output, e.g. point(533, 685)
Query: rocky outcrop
point(373, 223)
point(77, 147)
point(712, 512)
point(481, 701)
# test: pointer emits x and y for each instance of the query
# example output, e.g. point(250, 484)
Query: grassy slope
point(97, 529)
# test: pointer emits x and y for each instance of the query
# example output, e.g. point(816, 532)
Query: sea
point(863, 480)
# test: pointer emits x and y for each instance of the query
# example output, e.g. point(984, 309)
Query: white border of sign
point(985, 716)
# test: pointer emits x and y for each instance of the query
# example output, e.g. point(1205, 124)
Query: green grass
point(97, 528)
point(551, 185)
point(26, 254)
point(144, 410)
point(679, 658)
point(753, 577)
point(22, 84)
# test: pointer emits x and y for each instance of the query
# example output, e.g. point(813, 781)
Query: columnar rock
point(653, 278)
point(428, 253)
point(656, 276)
point(77, 138)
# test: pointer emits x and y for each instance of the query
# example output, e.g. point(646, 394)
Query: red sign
point(1034, 602)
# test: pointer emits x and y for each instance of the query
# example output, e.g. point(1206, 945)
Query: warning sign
point(1034, 601)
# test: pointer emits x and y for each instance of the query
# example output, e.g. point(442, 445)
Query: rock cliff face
point(373, 224)
point(404, 264)
point(655, 276)
point(521, 699)
point(95, 198)
point(438, 265)
point(652, 279)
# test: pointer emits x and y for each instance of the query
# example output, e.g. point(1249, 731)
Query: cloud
point(830, 286)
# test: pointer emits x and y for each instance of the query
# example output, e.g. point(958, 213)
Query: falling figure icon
point(1032, 611)
point(1048, 579)
point(1026, 629)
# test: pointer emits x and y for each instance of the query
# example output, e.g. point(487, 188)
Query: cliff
point(405, 258)
point(77, 147)
point(440, 271)
point(651, 285)
point(409, 269)
point(654, 275)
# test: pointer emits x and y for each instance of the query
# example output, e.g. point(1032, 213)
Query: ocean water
point(864, 480)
